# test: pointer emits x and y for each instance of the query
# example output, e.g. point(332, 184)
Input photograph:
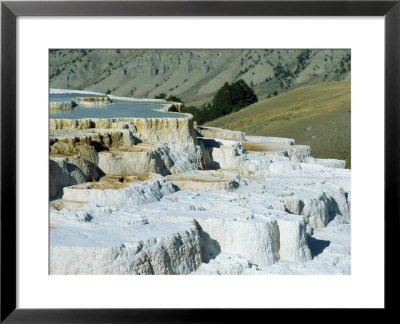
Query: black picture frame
point(10, 10)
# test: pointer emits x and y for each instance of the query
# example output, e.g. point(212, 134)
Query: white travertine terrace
point(163, 196)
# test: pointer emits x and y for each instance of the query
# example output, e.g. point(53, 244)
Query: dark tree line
point(229, 98)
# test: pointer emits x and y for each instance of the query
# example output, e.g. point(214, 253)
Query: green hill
point(318, 115)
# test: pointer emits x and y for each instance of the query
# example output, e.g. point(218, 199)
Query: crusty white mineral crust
point(145, 158)
point(207, 180)
point(228, 204)
point(83, 242)
point(120, 194)
point(330, 163)
point(214, 132)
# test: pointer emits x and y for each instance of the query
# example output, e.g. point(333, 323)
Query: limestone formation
point(158, 247)
point(150, 130)
point(213, 132)
point(206, 180)
point(161, 196)
point(125, 194)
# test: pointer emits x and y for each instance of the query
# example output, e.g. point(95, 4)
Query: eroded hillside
point(194, 75)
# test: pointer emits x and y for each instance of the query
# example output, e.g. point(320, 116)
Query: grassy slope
point(317, 115)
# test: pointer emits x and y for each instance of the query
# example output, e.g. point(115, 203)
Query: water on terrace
point(117, 109)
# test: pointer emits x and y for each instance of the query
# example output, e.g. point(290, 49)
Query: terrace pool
point(119, 108)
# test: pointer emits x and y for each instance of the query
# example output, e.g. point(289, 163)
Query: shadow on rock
point(317, 246)
point(210, 248)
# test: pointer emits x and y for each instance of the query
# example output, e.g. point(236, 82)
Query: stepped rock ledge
point(165, 196)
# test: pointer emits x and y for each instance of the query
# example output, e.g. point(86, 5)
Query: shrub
point(162, 95)
point(174, 99)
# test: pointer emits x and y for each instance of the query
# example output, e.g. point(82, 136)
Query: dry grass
point(318, 116)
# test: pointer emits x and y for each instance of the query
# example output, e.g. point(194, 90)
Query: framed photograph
point(197, 156)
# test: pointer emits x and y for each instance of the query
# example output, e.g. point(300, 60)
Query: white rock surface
point(269, 208)
point(226, 216)
point(117, 246)
point(225, 155)
point(207, 180)
point(214, 132)
point(329, 163)
point(124, 194)
point(149, 130)
point(268, 139)
point(141, 159)
point(233, 236)
point(226, 264)
point(331, 248)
